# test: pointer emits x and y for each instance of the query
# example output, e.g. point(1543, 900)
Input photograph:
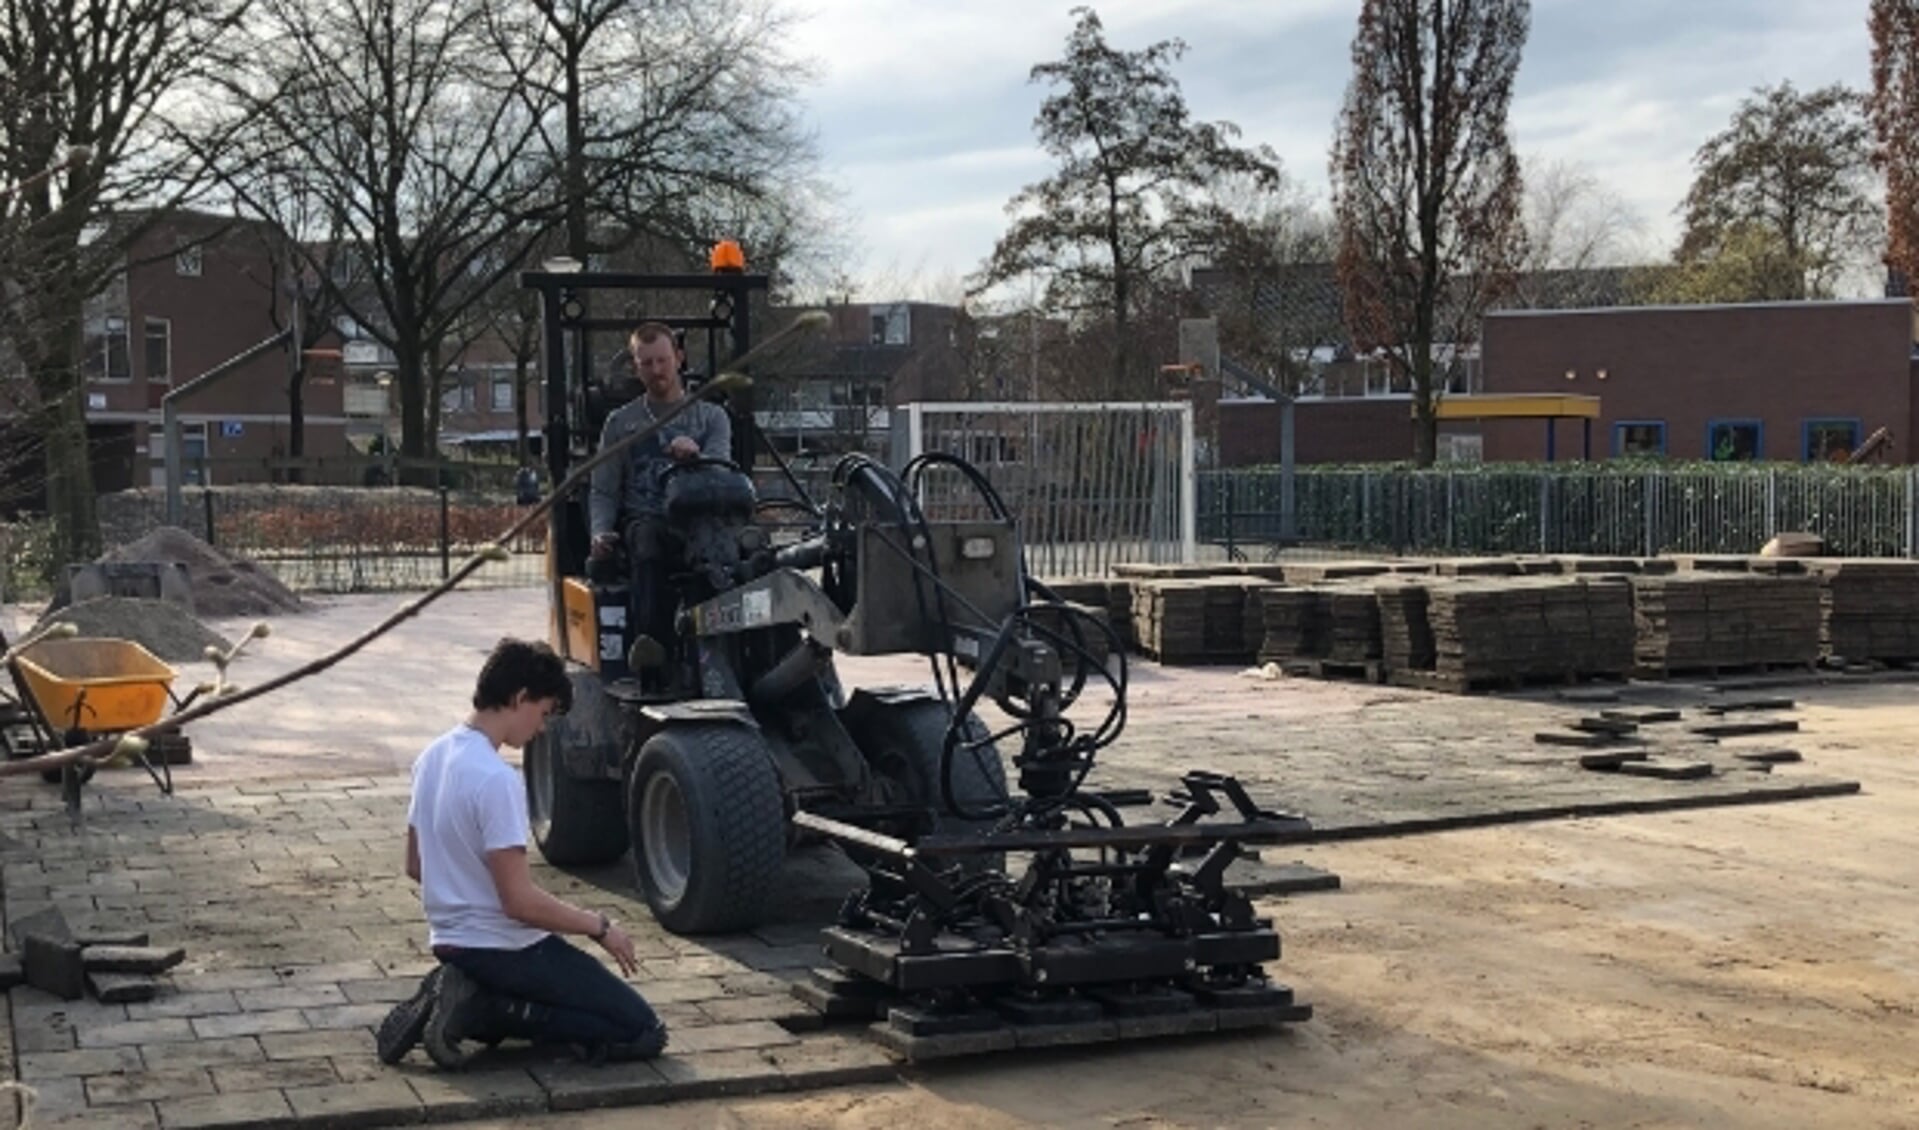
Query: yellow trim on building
point(1518, 406)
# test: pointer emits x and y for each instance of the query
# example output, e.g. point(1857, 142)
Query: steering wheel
point(698, 461)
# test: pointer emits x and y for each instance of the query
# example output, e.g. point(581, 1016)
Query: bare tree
point(1271, 284)
point(1798, 164)
point(1894, 109)
point(1129, 199)
point(1579, 236)
point(408, 131)
point(675, 120)
point(87, 78)
point(1426, 189)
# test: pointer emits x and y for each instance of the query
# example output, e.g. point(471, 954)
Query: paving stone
point(575, 1086)
point(125, 1032)
point(710, 1074)
point(123, 988)
point(274, 1074)
point(347, 1015)
point(384, 990)
point(245, 1023)
point(730, 1010)
point(729, 1037)
point(43, 1038)
point(371, 1103)
point(203, 1053)
point(184, 1004)
point(225, 980)
point(147, 1086)
point(289, 996)
point(132, 959)
point(312, 1045)
point(833, 1060)
point(38, 1066)
point(243, 1108)
point(681, 990)
point(54, 966)
point(499, 1092)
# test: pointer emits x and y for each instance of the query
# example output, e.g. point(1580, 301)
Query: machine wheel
point(708, 827)
point(576, 822)
point(904, 742)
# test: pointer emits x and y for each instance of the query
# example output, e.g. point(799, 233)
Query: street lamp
point(385, 381)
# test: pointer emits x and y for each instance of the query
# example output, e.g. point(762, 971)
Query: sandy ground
point(1751, 966)
point(1754, 967)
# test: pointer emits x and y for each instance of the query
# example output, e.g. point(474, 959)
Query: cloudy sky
point(924, 111)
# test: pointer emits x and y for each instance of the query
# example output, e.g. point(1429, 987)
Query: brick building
point(1789, 381)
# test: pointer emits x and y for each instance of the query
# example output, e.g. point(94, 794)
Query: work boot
point(459, 1012)
point(466, 1011)
point(402, 1027)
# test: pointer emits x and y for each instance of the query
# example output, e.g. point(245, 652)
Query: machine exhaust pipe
point(800, 665)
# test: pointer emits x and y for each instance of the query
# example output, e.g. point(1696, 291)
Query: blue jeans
point(584, 1001)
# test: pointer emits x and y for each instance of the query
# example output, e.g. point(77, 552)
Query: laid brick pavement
point(300, 929)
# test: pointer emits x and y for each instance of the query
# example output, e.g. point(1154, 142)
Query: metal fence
point(1868, 512)
point(343, 539)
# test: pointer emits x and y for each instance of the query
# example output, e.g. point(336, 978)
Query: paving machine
point(995, 914)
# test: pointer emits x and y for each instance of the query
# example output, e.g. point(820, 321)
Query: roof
point(1821, 304)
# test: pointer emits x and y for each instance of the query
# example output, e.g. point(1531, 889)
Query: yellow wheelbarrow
point(75, 691)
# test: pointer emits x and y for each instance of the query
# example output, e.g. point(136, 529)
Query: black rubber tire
point(733, 841)
point(575, 822)
point(912, 736)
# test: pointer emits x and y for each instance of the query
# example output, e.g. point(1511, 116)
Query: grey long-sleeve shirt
point(628, 487)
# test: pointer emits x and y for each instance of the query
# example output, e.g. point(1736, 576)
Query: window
point(1829, 440)
point(159, 351)
point(892, 325)
point(186, 261)
point(193, 454)
point(1735, 441)
point(1376, 377)
point(108, 357)
point(458, 395)
point(503, 395)
point(1639, 439)
point(1461, 447)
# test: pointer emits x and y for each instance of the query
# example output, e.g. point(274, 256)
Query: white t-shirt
point(467, 802)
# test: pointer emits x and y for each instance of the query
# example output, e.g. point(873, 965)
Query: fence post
point(206, 500)
point(1772, 503)
point(446, 548)
point(1649, 505)
point(1452, 507)
point(1545, 509)
point(1912, 512)
point(1366, 508)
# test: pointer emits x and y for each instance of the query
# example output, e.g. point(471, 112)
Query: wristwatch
point(605, 925)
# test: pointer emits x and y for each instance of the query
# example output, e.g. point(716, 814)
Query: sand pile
point(164, 628)
point(223, 585)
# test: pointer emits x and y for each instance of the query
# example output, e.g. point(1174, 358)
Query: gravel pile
point(222, 585)
point(164, 628)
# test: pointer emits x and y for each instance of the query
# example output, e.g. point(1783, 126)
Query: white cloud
point(925, 112)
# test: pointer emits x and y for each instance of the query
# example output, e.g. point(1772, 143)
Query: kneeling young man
point(505, 972)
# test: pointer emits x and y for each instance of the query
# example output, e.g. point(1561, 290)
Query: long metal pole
point(170, 415)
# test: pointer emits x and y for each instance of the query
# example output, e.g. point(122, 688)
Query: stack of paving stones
point(1349, 613)
point(1488, 631)
point(1478, 567)
point(1870, 609)
point(1079, 625)
point(1580, 564)
point(1113, 597)
point(1201, 620)
point(1290, 624)
point(1405, 628)
point(1708, 620)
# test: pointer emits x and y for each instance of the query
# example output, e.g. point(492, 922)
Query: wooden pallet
point(1723, 671)
point(1454, 684)
point(1365, 671)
